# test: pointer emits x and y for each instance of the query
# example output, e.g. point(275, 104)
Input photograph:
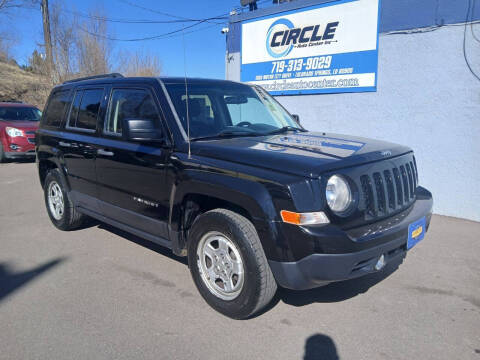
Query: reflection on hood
point(328, 145)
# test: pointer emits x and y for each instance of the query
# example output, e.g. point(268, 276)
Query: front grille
point(388, 187)
point(30, 132)
point(31, 140)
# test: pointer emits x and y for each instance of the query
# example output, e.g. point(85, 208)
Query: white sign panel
point(331, 47)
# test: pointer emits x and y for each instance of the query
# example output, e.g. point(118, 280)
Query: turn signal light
point(311, 218)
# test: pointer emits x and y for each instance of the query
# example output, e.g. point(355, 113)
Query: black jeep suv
point(220, 172)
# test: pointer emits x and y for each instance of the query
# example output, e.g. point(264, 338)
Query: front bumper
point(19, 147)
point(20, 154)
point(320, 269)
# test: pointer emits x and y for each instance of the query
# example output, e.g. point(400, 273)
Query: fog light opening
point(380, 263)
point(13, 147)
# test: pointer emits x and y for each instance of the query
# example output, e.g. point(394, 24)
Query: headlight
point(339, 195)
point(13, 132)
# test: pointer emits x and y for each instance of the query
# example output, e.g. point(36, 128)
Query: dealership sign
point(327, 48)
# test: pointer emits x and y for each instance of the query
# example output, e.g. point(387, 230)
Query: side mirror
point(142, 130)
point(296, 118)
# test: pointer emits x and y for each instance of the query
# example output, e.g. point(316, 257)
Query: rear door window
point(88, 111)
point(72, 119)
point(56, 108)
point(85, 108)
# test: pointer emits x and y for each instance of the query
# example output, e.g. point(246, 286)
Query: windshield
point(229, 109)
point(20, 113)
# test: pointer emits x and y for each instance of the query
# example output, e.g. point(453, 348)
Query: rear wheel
point(228, 264)
point(60, 207)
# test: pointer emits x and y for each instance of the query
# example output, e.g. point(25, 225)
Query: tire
point(256, 285)
point(69, 218)
point(2, 154)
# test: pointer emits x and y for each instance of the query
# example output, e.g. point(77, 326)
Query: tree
point(5, 5)
point(37, 63)
point(140, 64)
point(47, 36)
point(64, 37)
point(93, 47)
point(78, 48)
point(8, 40)
point(6, 44)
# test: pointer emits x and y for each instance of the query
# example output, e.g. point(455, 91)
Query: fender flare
point(56, 160)
point(252, 196)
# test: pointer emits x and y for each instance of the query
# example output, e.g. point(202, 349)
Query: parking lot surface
point(100, 293)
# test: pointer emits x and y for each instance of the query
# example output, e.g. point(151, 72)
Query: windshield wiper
point(226, 134)
point(285, 129)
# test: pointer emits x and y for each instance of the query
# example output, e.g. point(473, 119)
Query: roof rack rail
point(112, 75)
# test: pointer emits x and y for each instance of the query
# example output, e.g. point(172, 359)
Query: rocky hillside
point(17, 84)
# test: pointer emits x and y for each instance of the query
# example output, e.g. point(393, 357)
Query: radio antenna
point(186, 91)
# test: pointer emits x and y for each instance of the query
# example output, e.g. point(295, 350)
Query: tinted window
point(88, 110)
point(227, 107)
point(20, 113)
point(75, 107)
point(130, 104)
point(205, 116)
point(56, 108)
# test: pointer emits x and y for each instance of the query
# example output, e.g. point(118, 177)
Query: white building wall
point(427, 99)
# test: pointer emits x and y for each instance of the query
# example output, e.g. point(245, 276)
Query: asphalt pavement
point(100, 293)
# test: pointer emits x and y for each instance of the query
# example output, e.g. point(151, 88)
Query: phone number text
point(312, 63)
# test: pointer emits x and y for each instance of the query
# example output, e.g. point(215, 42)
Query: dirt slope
point(17, 84)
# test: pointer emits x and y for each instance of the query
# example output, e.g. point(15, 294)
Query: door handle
point(105, 152)
point(64, 144)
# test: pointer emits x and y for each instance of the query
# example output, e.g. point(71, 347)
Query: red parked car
point(18, 124)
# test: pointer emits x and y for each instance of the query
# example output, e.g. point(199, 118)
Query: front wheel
point(228, 264)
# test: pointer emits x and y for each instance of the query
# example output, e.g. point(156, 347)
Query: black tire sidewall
point(64, 222)
point(2, 153)
point(245, 303)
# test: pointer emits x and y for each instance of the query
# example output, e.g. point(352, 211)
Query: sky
point(204, 44)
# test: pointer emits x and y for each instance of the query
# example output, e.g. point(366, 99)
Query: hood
point(24, 125)
point(307, 154)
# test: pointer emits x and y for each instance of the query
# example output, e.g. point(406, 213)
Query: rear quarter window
point(56, 107)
